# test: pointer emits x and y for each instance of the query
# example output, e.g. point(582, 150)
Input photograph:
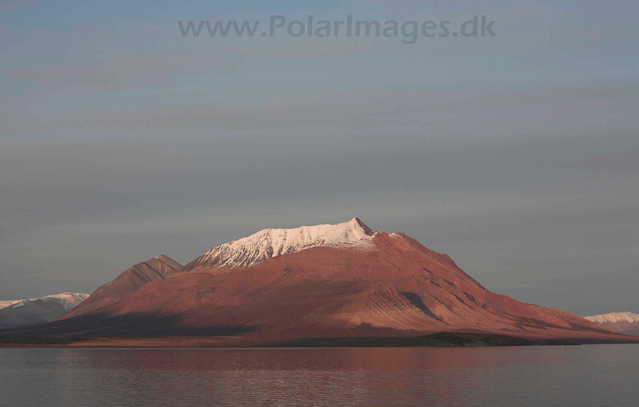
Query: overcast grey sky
point(517, 155)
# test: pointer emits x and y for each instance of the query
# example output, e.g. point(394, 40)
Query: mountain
point(624, 322)
point(38, 310)
point(5, 304)
point(313, 285)
point(131, 280)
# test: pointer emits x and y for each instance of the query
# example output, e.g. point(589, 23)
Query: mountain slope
point(131, 280)
point(324, 281)
point(39, 310)
point(624, 322)
point(633, 331)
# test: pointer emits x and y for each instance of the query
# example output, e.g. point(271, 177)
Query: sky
point(517, 154)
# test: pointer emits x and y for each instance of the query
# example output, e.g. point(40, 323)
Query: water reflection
point(548, 376)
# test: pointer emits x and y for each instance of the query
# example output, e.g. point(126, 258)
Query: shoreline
point(440, 340)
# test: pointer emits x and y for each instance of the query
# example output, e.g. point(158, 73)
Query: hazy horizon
point(517, 155)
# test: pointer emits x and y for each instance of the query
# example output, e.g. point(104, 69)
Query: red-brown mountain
point(155, 269)
point(341, 281)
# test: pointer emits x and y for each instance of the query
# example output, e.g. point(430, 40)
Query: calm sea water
point(601, 375)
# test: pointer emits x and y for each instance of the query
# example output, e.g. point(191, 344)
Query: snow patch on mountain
point(68, 300)
point(614, 317)
point(269, 243)
point(5, 304)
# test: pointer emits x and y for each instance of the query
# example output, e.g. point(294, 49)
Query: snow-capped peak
point(269, 243)
point(67, 300)
point(614, 317)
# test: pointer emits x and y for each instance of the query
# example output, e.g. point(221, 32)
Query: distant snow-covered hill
point(37, 310)
point(624, 322)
